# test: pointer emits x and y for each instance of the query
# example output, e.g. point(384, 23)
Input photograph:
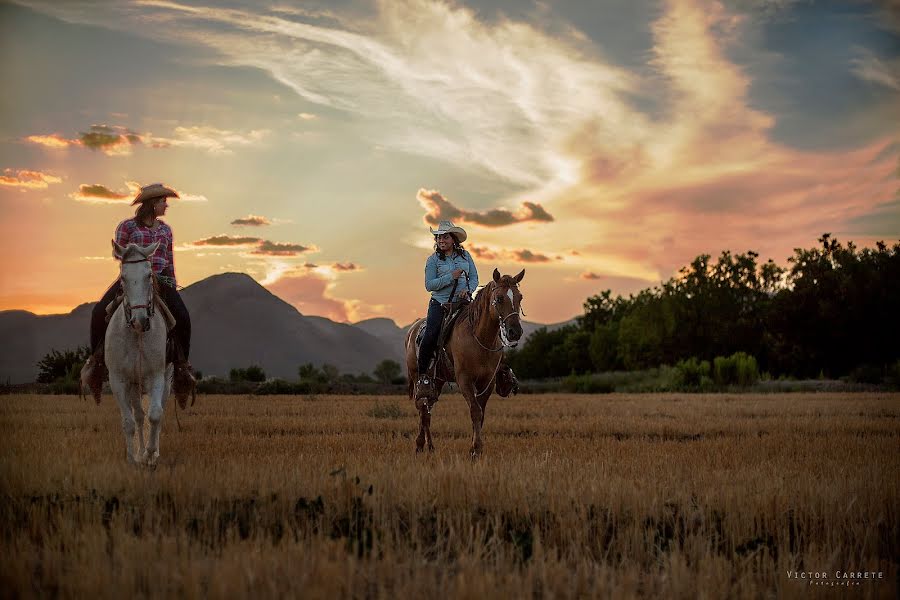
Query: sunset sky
point(597, 144)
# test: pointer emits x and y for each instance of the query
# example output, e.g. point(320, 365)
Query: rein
point(128, 306)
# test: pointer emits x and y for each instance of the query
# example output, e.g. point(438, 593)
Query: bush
point(738, 369)
point(385, 411)
point(253, 373)
point(692, 374)
point(278, 387)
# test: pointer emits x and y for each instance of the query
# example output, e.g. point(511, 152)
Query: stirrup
point(424, 387)
point(184, 383)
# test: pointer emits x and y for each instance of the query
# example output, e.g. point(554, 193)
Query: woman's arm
point(432, 281)
point(473, 273)
point(170, 254)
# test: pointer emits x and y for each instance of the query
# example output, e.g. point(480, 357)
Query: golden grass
point(576, 496)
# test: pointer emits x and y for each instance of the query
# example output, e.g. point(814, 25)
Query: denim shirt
point(439, 275)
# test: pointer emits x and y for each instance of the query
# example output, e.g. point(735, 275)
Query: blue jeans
point(432, 328)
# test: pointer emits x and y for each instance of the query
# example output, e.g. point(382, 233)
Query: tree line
point(832, 312)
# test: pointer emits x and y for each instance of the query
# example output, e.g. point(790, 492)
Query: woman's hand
point(457, 273)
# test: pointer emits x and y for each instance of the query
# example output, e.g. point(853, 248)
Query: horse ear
point(149, 250)
point(118, 251)
point(519, 277)
point(496, 275)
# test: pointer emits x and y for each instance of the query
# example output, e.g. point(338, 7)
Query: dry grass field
point(615, 496)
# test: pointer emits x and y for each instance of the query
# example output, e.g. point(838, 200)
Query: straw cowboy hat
point(449, 227)
point(154, 190)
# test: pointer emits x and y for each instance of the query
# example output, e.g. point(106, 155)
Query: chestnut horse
point(474, 351)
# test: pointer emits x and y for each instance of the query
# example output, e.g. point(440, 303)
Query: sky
point(595, 144)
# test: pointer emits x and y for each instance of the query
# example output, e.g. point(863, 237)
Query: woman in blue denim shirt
point(449, 270)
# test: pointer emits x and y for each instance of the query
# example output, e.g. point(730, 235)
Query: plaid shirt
point(162, 261)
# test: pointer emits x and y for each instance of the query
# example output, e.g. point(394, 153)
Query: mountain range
point(235, 322)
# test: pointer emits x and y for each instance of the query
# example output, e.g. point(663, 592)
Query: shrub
point(692, 374)
point(738, 369)
point(385, 411)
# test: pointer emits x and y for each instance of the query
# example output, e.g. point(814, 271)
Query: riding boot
point(94, 373)
point(183, 382)
point(425, 386)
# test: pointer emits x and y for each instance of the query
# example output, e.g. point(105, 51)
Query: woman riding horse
point(449, 271)
point(145, 229)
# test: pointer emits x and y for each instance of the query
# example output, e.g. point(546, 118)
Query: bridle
point(495, 302)
point(125, 302)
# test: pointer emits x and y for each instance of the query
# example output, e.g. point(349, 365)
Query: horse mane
point(480, 303)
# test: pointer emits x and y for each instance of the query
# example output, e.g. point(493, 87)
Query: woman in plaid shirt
point(145, 229)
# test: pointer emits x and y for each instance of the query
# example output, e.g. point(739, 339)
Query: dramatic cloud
point(589, 275)
point(439, 208)
point(97, 193)
point(281, 249)
point(253, 220)
point(27, 180)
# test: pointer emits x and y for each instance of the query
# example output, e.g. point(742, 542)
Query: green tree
point(56, 365)
point(387, 371)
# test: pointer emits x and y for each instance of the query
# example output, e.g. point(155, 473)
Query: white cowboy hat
point(449, 227)
point(154, 190)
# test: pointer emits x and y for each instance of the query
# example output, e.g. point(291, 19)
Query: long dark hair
point(457, 248)
point(144, 212)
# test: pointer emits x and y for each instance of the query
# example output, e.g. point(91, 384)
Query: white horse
point(135, 349)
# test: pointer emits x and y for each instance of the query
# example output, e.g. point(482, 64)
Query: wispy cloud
point(27, 180)
point(116, 140)
point(252, 220)
point(439, 208)
point(869, 67)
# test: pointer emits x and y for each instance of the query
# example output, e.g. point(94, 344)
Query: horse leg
point(423, 418)
point(138, 411)
point(157, 406)
point(123, 393)
point(466, 386)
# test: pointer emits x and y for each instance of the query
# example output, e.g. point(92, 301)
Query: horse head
point(506, 304)
point(136, 277)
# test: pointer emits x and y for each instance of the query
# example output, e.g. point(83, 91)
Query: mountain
point(235, 323)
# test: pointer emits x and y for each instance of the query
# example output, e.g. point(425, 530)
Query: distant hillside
point(236, 322)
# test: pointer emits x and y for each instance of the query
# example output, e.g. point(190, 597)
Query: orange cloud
point(439, 208)
point(54, 140)
point(227, 240)
point(514, 255)
point(253, 220)
point(281, 249)
point(589, 275)
point(97, 193)
point(27, 180)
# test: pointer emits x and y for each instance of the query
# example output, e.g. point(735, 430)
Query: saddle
point(172, 351)
point(452, 310)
